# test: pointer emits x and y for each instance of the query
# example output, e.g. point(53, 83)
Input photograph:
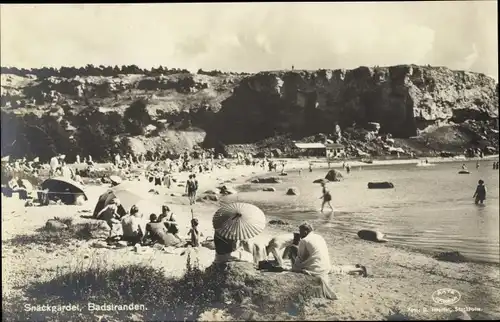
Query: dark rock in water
point(380, 185)
point(154, 191)
point(321, 181)
point(372, 235)
point(283, 174)
point(454, 257)
point(180, 185)
point(334, 175)
point(212, 192)
point(55, 225)
point(269, 189)
point(267, 180)
point(278, 222)
point(293, 191)
point(463, 172)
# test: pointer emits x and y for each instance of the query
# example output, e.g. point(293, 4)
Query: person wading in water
point(326, 196)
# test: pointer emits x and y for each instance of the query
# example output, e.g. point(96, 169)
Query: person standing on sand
point(190, 189)
point(326, 196)
point(310, 167)
point(477, 164)
point(480, 193)
point(194, 234)
point(348, 168)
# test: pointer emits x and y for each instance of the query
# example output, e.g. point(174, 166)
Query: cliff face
point(401, 98)
point(87, 114)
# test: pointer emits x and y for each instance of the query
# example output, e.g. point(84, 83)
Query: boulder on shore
point(225, 190)
point(372, 235)
point(267, 180)
point(380, 185)
point(321, 180)
point(272, 189)
point(278, 222)
point(55, 225)
point(293, 191)
point(454, 257)
point(334, 175)
point(212, 192)
point(209, 197)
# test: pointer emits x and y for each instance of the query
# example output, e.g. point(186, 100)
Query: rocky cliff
point(402, 99)
point(99, 115)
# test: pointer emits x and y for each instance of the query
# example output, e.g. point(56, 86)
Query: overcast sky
point(253, 36)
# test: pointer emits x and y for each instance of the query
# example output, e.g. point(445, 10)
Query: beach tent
point(129, 193)
point(65, 189)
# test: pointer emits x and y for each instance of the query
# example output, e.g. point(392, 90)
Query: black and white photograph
point(250, 161)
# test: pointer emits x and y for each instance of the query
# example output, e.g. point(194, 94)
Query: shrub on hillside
point(236, 289)
point(136, 117)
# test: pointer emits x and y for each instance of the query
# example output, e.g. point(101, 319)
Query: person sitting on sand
point(167, 217)
point(480, 193)
point(133, 226)
point(464, 167)
point(291, 251)
point(278, 245)
point(313, 257)
point(326, 196)
point(156, 232)
point(111, 216)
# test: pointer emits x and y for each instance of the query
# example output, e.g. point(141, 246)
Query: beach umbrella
point(128, 193)
point(239, 221)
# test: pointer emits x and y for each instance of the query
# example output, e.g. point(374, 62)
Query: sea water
point(431, 209)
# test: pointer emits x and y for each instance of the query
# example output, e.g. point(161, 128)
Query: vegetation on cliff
point(103, 110)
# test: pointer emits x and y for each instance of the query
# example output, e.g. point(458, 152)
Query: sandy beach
point(399, 281)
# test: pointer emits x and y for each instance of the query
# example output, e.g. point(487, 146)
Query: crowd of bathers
point(131, 227)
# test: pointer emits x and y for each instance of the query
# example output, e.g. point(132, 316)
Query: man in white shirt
point(313, 257)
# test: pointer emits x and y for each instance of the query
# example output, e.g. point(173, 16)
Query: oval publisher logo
point(446, 296)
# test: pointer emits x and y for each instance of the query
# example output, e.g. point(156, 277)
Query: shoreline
point(395, 271)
